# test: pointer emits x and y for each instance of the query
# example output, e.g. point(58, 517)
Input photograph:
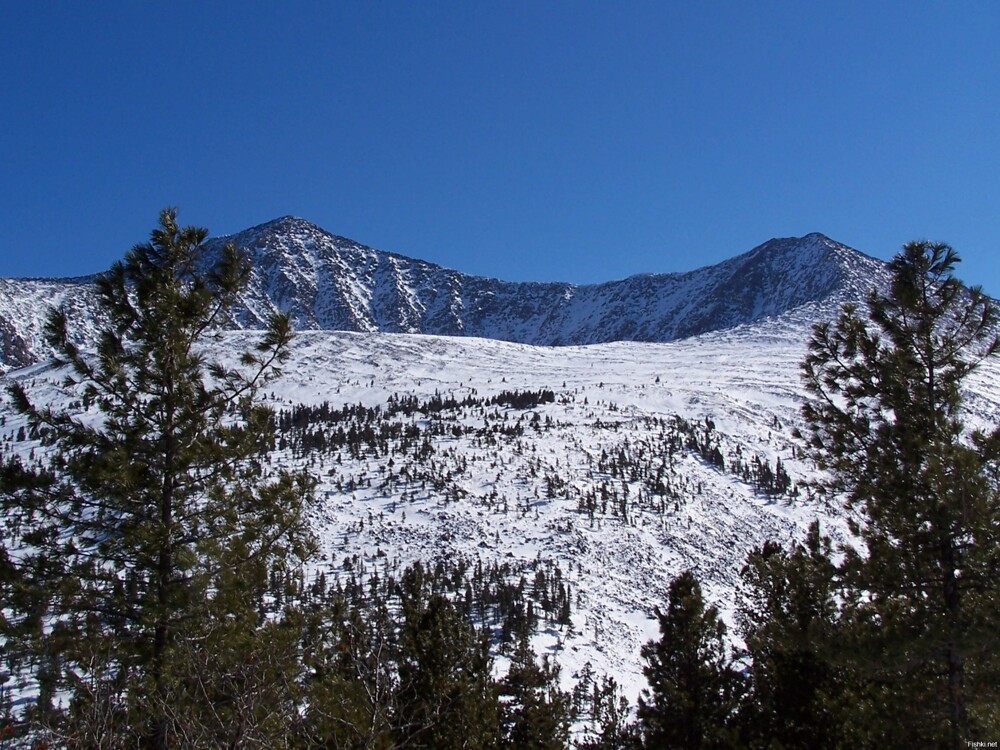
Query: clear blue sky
point(575, 141)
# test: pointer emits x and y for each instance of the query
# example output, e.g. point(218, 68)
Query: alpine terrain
point(581, 444)
point(331, 283)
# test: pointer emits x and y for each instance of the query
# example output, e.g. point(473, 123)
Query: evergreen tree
point(351, 695)
point(535, 713)
point(149, 523)
point(447, 697)
point(694, 687)
point(789, 619)
point(923, 598)
point(612, 728)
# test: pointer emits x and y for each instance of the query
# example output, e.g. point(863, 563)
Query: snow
point(744, 380)
point(611, 398)
point(332, 283)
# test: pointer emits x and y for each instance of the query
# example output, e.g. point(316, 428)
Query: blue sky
point(574, 141)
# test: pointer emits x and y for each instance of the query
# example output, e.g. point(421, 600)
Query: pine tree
point(351, 695)
point(789, 618)
point(886, 421)
point(694, 687)
point(609, 709)
point(535, 712)
point(446, 697)
point(150, 522)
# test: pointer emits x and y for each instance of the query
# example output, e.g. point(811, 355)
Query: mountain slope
point(331, 283)
point(614, 479)
point(570, 482)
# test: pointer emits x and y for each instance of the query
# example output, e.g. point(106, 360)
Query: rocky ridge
point(327, 282)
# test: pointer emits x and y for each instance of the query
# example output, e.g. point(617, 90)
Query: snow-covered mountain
point(671, 411)
point(332, 283)
point(647, 460)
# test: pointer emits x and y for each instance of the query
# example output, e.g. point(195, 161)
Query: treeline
point(373, 431)
point(639, 474)
point(508, 601)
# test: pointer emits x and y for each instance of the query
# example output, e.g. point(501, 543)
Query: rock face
point(333, 283)
point(24, 305)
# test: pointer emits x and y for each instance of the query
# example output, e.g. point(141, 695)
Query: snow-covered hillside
point(518, 499)
point(646, 459)
point(332, 283)
point(654, 438)
point(24, 305)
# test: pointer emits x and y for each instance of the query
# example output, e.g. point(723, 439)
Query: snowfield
point(568, 482)
point(744, 381)
point(615, 479)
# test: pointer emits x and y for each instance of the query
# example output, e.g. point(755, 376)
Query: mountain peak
point(283, 226)
point(808, 242)
point(286, 223)
point(815, 253)
point(815, 237)
point(328, 282)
